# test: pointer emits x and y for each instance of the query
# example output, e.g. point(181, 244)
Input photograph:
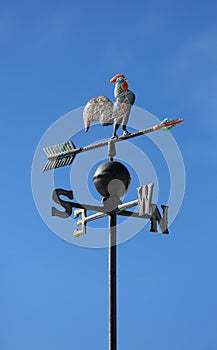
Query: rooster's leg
point(116, 126)
point(124, 127)
point(125, 120)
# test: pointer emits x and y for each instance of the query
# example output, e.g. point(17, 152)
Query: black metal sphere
point(112, 179)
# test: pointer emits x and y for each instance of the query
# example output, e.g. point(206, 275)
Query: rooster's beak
point(125, 79)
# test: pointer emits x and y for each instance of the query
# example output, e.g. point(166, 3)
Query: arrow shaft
point(119, 139)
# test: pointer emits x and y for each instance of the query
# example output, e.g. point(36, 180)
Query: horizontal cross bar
point(134, 215)
point(101, 211)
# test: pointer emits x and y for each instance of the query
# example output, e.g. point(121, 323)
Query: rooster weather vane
point(102, 109)
point(111, 179)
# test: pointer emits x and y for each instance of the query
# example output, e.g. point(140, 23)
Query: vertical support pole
point(112, 276)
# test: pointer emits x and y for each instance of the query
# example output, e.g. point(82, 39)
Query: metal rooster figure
point(102, 109)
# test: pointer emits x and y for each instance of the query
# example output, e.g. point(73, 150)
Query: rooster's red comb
point(114, 79)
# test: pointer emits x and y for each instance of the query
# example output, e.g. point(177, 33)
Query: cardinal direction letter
point(81, 221)
point(145, 198)
point(66, 205)
point(156, 217)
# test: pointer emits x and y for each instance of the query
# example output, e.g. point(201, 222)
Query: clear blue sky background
point(54, 57)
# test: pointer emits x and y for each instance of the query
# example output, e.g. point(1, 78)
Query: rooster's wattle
point(102, 109)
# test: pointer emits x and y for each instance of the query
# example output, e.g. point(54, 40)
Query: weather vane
point(111, 179)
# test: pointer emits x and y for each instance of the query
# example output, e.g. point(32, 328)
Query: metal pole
point(112, 283)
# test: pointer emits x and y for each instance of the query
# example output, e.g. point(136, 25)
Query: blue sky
point(54, 57)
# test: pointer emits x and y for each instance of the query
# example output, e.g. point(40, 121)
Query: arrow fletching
point(59, 155)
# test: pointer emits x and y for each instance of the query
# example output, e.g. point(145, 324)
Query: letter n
point(156, 217)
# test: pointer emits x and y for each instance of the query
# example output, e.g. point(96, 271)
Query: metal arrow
point(63, 154)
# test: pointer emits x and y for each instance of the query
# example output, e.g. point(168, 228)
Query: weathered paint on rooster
point(102, 109)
